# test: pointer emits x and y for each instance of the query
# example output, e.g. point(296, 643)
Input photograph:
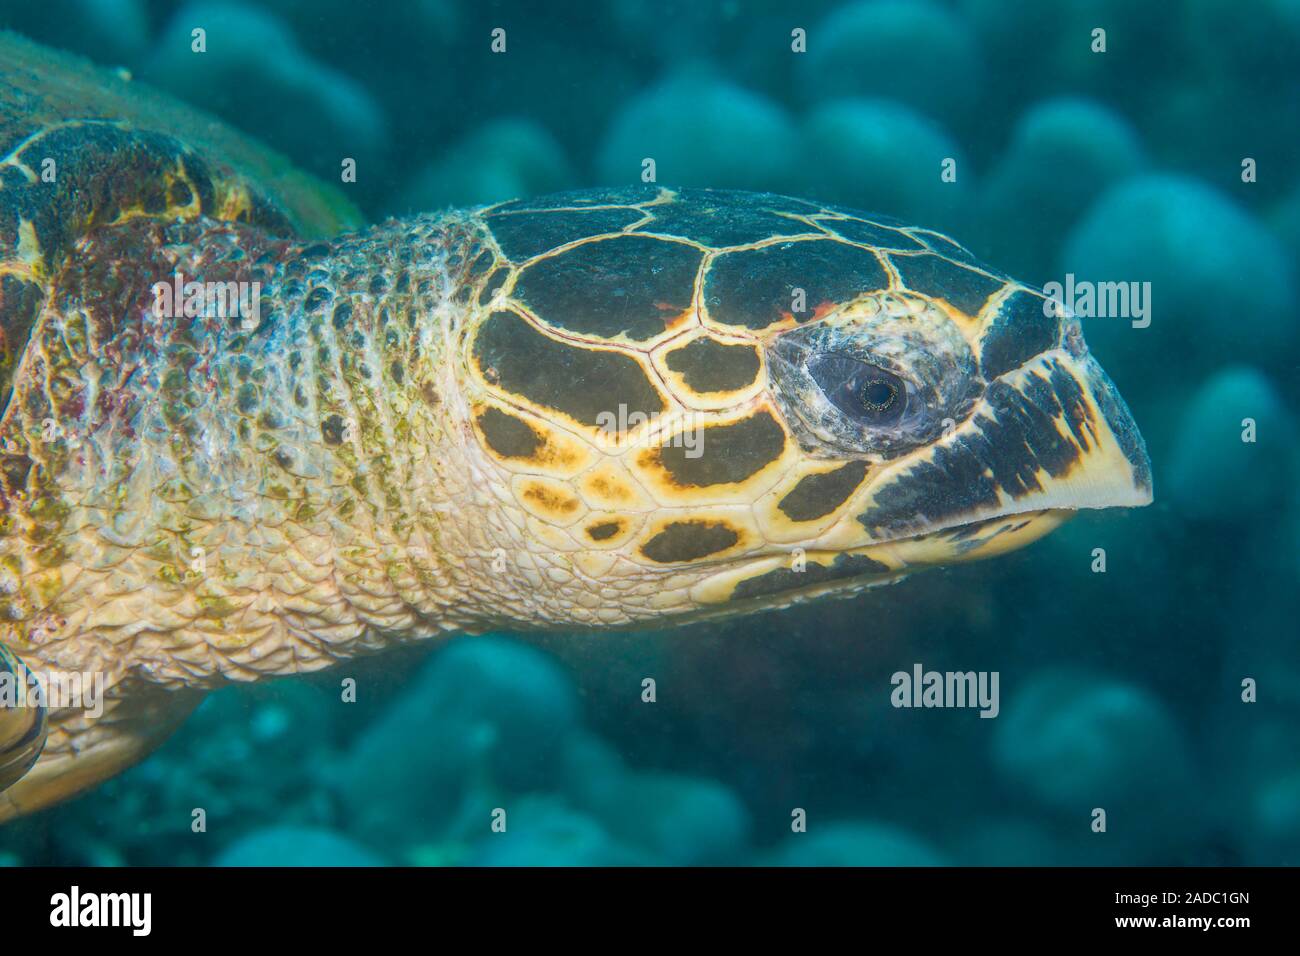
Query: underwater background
point(1171, 157)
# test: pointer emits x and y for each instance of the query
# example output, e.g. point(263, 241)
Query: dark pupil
point(878, 395)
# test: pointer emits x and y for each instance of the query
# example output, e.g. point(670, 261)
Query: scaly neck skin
point(226, 503)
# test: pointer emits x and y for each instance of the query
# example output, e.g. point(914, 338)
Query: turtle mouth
point(972, 540)
point(806, 575)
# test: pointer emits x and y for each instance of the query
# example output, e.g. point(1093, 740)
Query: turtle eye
point(865, 392)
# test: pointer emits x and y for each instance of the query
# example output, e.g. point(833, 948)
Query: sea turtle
point(600, 409)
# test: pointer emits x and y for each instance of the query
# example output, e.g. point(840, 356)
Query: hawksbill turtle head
point(713, 402)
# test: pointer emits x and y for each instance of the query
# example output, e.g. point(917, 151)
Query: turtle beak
point(1053, 435)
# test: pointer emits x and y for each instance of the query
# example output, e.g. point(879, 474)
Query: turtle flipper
point(24, 722)
point(81, 751)
point(42, 90)
point(82, 148)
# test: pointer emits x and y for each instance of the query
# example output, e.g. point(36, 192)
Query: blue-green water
point(1171, 156)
